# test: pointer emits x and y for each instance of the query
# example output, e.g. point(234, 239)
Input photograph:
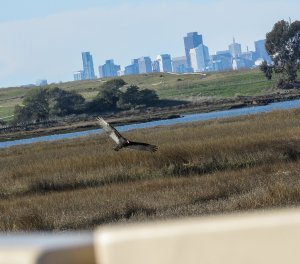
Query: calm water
point(183, 119)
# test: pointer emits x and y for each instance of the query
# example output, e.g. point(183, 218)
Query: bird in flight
point(121, 141)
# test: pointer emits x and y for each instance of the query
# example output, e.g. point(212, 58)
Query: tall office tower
point(109, 69)
point(179, 64)
point(130, 70)
point(133, 68)
point(145, 65)
point(135, 63)
point(165, 62)
point(260, 50)
point(191, 41)
point(88, 66)
point(199, 58)
point(155, 66)
point(235, 49)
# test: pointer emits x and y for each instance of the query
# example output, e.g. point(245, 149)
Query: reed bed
point(211, 167)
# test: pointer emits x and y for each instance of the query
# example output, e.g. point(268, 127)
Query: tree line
point(44, 103)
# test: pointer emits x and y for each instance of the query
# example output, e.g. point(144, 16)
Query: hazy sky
point(43, 39)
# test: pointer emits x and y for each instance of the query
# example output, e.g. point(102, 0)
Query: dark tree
point(134, 97)
point(108, 96)
point(283, 45)
point(266, 69)
point(40, 104)
point(130, 98)
point(111, 97)
point(63, 102)
point(35, 107)
point(148, 97)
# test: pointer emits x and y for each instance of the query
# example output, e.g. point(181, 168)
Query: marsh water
point(183, 119)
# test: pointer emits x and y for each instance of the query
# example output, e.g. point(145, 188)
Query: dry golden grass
point(210, 167)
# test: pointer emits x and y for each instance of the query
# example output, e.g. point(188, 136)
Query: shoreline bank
point(76, 124)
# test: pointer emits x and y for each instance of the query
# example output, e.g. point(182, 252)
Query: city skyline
point(196, 59)
point(44, 40)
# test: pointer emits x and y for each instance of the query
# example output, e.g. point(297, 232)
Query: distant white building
point(78, 75)
point(199, 58)
point(238, 63)
point(121, 72)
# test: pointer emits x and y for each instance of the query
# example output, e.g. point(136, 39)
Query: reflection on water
point(183, 119)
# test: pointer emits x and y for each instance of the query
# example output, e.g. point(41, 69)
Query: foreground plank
point(271, 237)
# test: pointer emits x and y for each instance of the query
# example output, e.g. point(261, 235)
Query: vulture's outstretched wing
point(124, 142)
point(111, 131)
point(141, 146)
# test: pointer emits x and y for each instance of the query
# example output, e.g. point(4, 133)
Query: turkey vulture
point(121, 141)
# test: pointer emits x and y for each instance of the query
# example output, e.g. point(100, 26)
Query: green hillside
point(168, 86)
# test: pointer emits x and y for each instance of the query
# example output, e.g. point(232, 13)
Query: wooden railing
point(266, 237)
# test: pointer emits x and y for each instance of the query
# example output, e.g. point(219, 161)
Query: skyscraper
point(235, 49)
point(145, 65)
point(88, 66)
point(155, 66)
point(133, 68)
point(199, 58)
point(260, 50)
point(165, 63)
point(109, 69)
point(191, 41)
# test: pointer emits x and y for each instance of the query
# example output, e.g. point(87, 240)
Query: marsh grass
point(210, 167)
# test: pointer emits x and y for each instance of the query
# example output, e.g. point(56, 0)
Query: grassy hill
point(168, 86)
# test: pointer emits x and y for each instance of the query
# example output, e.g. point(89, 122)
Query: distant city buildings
point(109, 69)
point(222, 61)
point(235, 49)
point(179, 64)
point(196, 59)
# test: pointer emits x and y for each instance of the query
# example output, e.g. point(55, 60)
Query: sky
point(43, 39)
